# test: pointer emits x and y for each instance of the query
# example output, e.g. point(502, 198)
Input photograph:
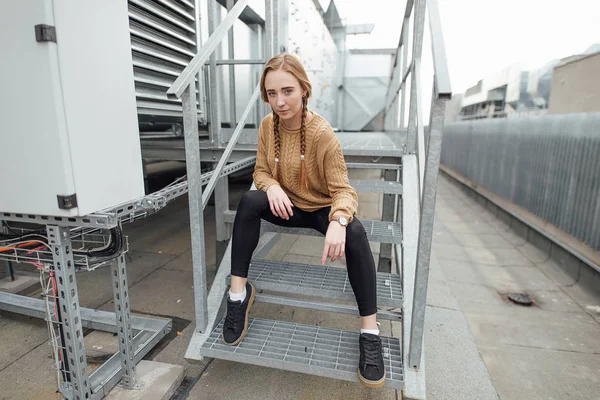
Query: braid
point(277, 143)
point(303, 179)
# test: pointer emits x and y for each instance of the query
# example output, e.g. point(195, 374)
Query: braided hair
point(303, 179)
point(277, 143)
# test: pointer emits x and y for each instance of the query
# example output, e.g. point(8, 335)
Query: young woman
point(302, 181)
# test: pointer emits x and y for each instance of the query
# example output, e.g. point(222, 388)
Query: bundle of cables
point(32, 240)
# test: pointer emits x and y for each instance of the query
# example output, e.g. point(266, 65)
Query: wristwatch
point(341, 219)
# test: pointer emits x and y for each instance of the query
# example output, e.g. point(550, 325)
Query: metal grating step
point(377, 231)
point(319, 281)
point(301, 348)
point(372, 186)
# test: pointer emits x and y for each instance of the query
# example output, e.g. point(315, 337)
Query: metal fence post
point(215, 98)
point(221, 205)
point(123, 317)
point(419, 25)
point(389, 202)
point(269, 37)
point(230, 49)
point(436, 125)
point(192, 162)
point(403, 70)
point(59, 238)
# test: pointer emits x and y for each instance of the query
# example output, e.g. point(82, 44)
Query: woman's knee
point(355, 231)
point(253, 200)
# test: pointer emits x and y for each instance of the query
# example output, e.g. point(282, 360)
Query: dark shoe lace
point(233, 315)
point(372, 352)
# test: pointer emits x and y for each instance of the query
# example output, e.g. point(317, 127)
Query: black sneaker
point(236, 320)
point(371, 370)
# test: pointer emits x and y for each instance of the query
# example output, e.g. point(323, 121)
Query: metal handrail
point(229, 149)
point(188, 75)
point(440, 63)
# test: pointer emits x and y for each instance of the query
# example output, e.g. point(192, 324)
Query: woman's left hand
point(335, 242)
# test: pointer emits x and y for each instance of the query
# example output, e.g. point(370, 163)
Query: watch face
point(343, 221)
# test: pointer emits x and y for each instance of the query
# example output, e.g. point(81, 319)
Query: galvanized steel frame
point(420, 169)
point(76, 385)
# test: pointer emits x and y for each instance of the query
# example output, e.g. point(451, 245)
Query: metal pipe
point(269, 29)
point(419, 25)
point(230, 49)
point(192, 162)
point(405, 70)
point(434, 150)
point(241, 62)
point(188, 74)
point(215, 98)
point(442, 76)
point(228, 150)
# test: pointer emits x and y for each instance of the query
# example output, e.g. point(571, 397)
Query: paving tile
point(536, 374)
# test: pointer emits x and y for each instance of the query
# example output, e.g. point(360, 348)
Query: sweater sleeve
point(262, 175)
point(344, 197)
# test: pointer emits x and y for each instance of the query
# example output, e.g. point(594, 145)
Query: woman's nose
point(280, 101)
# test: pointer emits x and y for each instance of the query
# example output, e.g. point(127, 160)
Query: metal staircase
point(409, 166)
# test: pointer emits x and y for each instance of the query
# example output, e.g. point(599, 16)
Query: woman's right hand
point(281, 206)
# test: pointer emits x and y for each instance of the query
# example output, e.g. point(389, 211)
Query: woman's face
point(285, 95)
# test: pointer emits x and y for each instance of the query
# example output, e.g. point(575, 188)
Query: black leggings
point(254, 206)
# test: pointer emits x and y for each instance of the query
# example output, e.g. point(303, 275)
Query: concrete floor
point(548, 351)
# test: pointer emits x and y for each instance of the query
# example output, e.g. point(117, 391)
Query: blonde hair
point(289, 63)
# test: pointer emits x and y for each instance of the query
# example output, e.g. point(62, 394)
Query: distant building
point(560, 86)
point(576, 84)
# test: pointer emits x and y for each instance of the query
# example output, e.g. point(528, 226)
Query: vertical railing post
point(276, 25)
point(215, 98)
point(269, 38)
point(434, 150)
point(403, 71)
point(387, 214)
point(417, 49)
point(192, 158)
point(221, 205)
point(200, 87)
point(230, 49)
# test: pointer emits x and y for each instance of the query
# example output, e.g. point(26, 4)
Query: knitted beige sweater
point(326, 169)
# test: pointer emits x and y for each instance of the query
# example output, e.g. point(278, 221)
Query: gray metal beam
point(231, 51)
point(415, 379)
point(331, 307)
point(74, 364)
point(194, 172)
point(228, 150)
point(248, 15)
point(90, 319)
point(213, 78)
point(241, 62)
point(389, 203)
point(221, 205)
point(189, 73)
point(426, 232)
point(442, 76)
point(389, 186)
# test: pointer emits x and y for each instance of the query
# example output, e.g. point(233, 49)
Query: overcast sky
point(484, 36)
